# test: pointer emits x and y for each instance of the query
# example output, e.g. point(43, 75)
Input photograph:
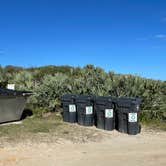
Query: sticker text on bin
point(72, 108)
point(108, 113)
point(132, 117)
point(89, 110)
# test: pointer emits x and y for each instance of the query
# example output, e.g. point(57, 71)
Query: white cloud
point(160, 36)
point(163, 19)
point(153, 37)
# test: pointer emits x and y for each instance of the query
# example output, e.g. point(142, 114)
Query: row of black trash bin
point(106, 113)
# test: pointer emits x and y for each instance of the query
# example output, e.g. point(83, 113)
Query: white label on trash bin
point(11, 86)
point(108, 113)
point(132, 117)
point(72, 108)
point(89, 110)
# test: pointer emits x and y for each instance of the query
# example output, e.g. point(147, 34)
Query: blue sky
point(126, 36)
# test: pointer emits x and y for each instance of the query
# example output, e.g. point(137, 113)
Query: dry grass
point(48, 129)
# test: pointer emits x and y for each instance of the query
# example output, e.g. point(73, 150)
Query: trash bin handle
point(26, 94)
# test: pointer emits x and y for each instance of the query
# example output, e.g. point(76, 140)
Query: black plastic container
point(69, 108)
point(85, 110)
point(127, 115)
point(104, 113)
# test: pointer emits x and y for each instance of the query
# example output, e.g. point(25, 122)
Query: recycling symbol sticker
point(72, 108)
point(89, 110)
point(108, 113)
point(132, 117)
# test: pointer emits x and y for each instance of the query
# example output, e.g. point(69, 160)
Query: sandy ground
point(116, 149)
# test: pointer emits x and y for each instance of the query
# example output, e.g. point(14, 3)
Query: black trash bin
point(69, 108)
point(12, 104)
point(85, 110)
point(127, 115)
point(104, 113)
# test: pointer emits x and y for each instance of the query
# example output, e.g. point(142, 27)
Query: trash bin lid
point(103, 99)
point(128, 102)
point(9, 92)
point(130, 99)
point(68, 97)
point(85, 98)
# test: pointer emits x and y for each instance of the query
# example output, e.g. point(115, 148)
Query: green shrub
point(49, 83)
